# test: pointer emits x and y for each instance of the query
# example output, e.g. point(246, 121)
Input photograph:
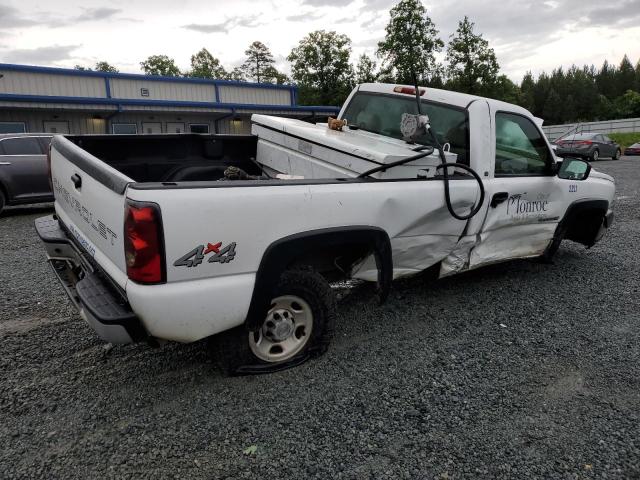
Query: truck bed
point(172, 158)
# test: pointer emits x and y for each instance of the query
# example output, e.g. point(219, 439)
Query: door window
point(520, 147)
point(22, 146)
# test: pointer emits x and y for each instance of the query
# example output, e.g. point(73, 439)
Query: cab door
point(525, 196)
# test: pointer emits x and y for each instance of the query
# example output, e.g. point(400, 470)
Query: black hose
point(445, 174)
point(447, 196)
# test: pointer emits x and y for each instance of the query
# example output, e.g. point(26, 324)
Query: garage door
point(175, 127)
point(56, 127)
point(151, 127)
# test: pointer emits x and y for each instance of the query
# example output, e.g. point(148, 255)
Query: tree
point(205, 65)
point(259, 58)
point(320, 64)
point(410, 43)
point(628, 105)
point(366, 70)
point(106, 67)
point(237, 75)
point(504, 89)
point(552, 108)
point(527, 87)
point(605, 79)
point(625, 77)
point(272, 75)
point(160, 65)
point(473, 66)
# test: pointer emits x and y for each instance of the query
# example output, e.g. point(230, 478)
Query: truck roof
point(444, 96)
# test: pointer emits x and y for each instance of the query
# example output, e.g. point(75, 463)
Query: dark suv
point(588, 145)
point(24, 176)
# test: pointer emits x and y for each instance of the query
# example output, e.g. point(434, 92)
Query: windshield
point(381, 114)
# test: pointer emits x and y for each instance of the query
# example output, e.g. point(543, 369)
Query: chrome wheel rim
point(595, 155)
point(285, 331)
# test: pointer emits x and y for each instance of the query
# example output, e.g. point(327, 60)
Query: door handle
point(77, 181)
point(498, 198)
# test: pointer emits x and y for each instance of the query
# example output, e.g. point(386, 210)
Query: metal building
point(57, 100)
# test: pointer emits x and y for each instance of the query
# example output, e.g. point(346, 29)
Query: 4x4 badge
point(196, 256)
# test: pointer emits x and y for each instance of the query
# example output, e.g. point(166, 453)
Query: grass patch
point(625, 139)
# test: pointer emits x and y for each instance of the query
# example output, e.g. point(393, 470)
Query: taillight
point(143, 243)
point(49, 167)
point(408, 90)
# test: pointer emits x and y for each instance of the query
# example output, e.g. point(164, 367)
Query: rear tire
point(595, 155)
point(2, 201)
point(298, 325)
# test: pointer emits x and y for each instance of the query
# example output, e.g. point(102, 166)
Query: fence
point(607, 126)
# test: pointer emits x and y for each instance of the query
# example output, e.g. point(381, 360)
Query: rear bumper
point(104, 308)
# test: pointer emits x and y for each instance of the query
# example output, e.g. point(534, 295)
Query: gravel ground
point(521, 370)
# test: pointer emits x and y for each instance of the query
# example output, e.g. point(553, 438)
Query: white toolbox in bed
point(310, 150)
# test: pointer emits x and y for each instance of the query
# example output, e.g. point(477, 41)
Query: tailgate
point(89, 199)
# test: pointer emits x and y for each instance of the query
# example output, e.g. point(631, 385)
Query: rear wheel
point(298, 325)
point(617, 155)
point(2, 201)
point(595, 155)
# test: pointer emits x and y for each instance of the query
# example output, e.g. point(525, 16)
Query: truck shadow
point(417, 305)
point(40, 208)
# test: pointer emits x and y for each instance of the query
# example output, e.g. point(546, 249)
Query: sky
point(526, 34)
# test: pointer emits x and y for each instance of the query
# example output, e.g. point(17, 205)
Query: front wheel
point(617, 155)
point(2, 201)
point(298, 324)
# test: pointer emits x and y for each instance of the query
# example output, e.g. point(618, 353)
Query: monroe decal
point(516, 205)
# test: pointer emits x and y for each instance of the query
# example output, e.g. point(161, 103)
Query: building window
point(13, 127)
point(199, 128)
point(124, 128)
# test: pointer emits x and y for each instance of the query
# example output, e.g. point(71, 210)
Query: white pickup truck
point(238, 238)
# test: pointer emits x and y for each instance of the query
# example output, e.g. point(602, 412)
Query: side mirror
point(574, 169)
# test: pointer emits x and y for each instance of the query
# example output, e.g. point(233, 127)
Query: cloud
point(369, 42)
point(94, 14)
point(233, 22)
point(248, 22)
point(11, 18)
point(368, 23)
point(38, 56)
point(327, 3)
point(304, 17)
point(377, 5)
point(211, 28)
